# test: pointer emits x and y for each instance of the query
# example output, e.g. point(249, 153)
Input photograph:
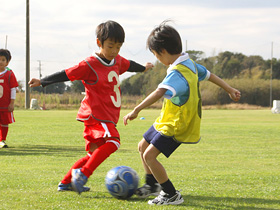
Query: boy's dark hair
point(6, 53)
point(110, 30)
point(165, 37)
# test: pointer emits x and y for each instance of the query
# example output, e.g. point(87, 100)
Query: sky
point(62, 32)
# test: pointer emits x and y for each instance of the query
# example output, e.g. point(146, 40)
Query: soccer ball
point(122, 182)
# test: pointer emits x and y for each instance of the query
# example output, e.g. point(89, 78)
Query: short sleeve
point(125, 64)
point(79, 72)
point(13, 80)
point(175, 84)
point(203, 73)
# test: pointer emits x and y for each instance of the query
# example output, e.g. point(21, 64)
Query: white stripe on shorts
point(115, 142)
point(107, 132)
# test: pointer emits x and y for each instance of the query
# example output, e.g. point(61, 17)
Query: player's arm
point(136, 67)
point(233, 93)
point(12, 101)
point(149, 100)
point(48, 80)
point(204, 74)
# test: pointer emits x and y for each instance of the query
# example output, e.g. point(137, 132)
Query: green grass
point(235, 166)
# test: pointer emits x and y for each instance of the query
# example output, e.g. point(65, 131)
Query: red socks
point(4, 132)
point(90, 162)
point(79, 164)
point(97, 157)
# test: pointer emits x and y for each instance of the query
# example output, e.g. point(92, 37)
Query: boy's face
point(163, 57)
point(110, 49)
point(3, 63)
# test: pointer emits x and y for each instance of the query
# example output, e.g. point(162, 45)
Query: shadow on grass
point(207, 202)
point(47, 150)
point(36, 150)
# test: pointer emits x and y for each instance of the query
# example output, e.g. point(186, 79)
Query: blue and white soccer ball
point(122, 182)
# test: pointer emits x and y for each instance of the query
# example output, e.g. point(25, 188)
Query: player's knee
point(142, 145)
point(149, 157)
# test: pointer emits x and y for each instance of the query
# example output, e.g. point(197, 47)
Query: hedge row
point(253, 92)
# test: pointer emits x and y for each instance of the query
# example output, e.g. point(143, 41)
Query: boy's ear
point(98, 42)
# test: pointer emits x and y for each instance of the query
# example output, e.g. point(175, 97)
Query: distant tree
point(195, 55)
point(77, 86)
point(56, 88)
point(275, 68)
point(251, 62)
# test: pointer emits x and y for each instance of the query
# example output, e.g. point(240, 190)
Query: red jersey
point(7, 82)
point(102, 88)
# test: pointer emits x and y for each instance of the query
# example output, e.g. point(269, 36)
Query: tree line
point(250, 74)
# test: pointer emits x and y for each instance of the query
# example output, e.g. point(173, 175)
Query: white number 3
point(116, 101)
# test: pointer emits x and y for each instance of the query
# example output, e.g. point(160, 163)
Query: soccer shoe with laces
point(163, 199)
point(78, 180)
point(3, 144)
point(68, 187)
point(147, 190)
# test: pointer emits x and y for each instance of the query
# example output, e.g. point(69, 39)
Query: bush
point(253, 92)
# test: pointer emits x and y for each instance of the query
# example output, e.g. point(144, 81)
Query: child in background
point(8, 84)
point(179, 121)
point(101, 105)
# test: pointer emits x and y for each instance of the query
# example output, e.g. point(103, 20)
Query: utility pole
point(27, 75)
point(271, 66)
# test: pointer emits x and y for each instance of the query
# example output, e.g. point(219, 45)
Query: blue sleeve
point(203, 73)
point(175, 84)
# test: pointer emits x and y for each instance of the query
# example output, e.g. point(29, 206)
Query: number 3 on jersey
point(116, 101)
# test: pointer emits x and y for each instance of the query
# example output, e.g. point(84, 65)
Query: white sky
point(62, 32)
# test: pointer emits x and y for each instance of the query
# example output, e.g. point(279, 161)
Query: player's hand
point(34, 82)
point(234, 94)
point(148, 66)
point(130, 116)
point(11, 107)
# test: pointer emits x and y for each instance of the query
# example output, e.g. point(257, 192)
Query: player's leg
point(164, 145)
point(151, 186)
point(4, 133)
point(65, 184)
point(99, 155)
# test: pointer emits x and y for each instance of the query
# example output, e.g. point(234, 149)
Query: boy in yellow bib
point(179, 121)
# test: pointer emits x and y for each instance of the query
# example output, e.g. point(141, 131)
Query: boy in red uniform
point(100, 108)
point(8, 84)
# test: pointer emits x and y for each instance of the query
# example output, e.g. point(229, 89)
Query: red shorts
point(99, 133)
point(6, 118)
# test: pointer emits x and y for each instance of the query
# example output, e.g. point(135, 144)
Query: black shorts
point(166, 145)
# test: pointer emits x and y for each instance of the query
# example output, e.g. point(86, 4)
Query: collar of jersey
point(103, 62)
point(1, 73)
point(183, 57)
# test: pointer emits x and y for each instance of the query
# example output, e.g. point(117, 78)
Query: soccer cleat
point(163, 199)
point(68, 187)
point(147, 190)
point(78, 180)
point(3, 144)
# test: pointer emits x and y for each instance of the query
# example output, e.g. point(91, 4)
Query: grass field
point(235, 166)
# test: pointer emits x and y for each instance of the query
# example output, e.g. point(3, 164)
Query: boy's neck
point(173, 58)
point(2, 69)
